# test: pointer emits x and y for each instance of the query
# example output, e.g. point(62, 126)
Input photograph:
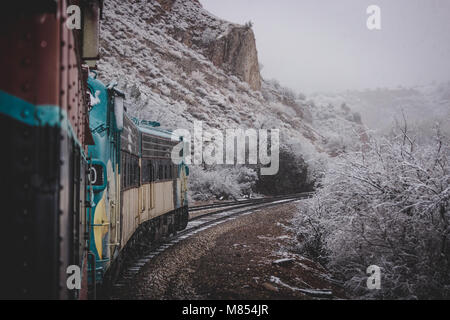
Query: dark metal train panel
point(43, 127)
point(30, 43)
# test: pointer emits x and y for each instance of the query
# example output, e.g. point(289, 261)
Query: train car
point(82, 184)
point(44, 134)
point(138, 194)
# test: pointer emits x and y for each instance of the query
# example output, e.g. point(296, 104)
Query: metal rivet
point(26, 87)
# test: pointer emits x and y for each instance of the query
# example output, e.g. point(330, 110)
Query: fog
point(325, 45)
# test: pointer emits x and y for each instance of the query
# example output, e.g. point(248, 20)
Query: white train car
point(153, 191)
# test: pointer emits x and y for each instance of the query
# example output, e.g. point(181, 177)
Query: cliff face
point(236, 52)
point(230, 47)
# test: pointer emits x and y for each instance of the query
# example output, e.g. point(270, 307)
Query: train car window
point(146, 170)
point(175, 171)
point(152, 171)
point(122, 170)
point(127, 160)
point(131, 174)
point(137, 172)
point(143, 170)
point(126, 170)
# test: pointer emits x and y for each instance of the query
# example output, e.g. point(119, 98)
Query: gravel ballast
point(247, 258)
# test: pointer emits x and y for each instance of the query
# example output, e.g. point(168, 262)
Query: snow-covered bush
point(301, 96)
point(198, 76)
point(292, 176)
point(248, 24)
point(221, 182)
point(387, 205)
point(288, 93)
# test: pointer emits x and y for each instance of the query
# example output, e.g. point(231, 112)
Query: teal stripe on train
point(37, 116)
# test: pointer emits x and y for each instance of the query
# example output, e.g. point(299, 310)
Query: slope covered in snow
point(179, 64)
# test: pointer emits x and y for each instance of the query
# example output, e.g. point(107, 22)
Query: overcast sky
point(324, 45)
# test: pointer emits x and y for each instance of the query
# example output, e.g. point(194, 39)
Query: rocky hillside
point(179, 63)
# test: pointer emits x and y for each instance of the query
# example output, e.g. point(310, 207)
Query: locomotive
point(138, 194)
point(81, 182)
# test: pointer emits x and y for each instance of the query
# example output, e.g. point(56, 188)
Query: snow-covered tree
point(386, 205)
point(221, 182)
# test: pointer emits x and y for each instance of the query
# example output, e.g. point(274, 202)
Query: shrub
point(292, 176)
point(221, 182)
point(387, 205)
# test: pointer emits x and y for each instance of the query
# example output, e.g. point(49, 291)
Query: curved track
point(229, 211)
point(247, 201)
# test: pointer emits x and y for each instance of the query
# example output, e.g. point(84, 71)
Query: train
point(83, 185)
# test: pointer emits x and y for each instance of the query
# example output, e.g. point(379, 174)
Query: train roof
point(168, 134)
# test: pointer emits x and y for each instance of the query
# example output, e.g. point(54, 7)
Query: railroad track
point(227, 212)
point(247, 201)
